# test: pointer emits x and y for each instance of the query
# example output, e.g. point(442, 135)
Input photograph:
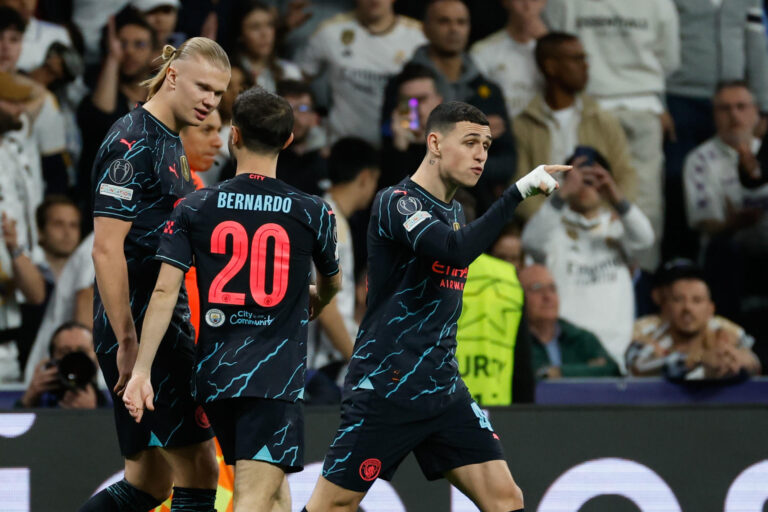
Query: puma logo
point(129, 144)
point(173, 170)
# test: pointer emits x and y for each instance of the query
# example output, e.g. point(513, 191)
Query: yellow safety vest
point(487, 330)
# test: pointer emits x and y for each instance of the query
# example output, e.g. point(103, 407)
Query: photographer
point(67, 380)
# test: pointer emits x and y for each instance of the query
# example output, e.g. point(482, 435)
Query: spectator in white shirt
point(588, 234)
point(506, 56)
point(632, 47)
point(361, 50)
point(38, 35)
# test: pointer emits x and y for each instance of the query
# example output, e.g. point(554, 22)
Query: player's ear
point(235, 136)
point(171, 74)
point(433, 143)
point(289, 141)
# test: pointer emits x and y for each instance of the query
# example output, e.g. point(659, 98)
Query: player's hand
point(138, 396)
point(126, 358)
point(315, 304)
point(540, 180)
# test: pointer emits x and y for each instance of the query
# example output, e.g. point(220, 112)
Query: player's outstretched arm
point(461, 247)
point(138, 393)
point(112, 279)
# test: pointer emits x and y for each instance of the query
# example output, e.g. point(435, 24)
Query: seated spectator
point(588, 234)
point(253, 44)
point(128, 44)
point(716, 200)
point(72, 301)
point(58, 225)
point(353, 170)
point(302, 164)
point(559, 348)
point(561, 118)
point(38, 35)
point(162, 16)
point(506, 56)
point(52, 387)
point(509, 246)
point(360, 50)
point(446, 27)
point(690, 342)
point(403, 152)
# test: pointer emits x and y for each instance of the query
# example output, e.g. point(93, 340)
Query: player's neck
point(162, 111)
point(427, 176)
point(266, 165)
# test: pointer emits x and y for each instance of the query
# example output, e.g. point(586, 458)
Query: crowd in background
point(646, 262)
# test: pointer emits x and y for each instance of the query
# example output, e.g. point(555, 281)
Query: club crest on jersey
point(456, 226)
point(185, 168)
point(347, 37)
point(215, 317)
point(408, 205)
point(120, 171)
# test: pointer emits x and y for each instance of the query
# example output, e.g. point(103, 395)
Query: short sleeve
point(50, 128)
point(402, 217)
point(326, 252)
point(175, 247)
point(121, 169)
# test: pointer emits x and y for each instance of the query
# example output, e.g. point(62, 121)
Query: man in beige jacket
point(553, 124)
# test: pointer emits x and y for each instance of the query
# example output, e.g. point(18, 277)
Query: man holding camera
point(71, 348)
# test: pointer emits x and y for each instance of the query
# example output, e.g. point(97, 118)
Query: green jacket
point(577, 347)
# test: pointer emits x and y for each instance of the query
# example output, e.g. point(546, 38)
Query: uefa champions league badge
point(408, 205)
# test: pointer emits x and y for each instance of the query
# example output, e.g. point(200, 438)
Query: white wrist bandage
point(530, 184)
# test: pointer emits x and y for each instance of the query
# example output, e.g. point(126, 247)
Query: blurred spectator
point(299, 19)
point(361, 50)
point(68, 378)
point(202, 145)
point(716, 200)
point(128, 43)
point(690, 342)
point(559, 348)
point(588, 247)
point(72, 300)
point(302, 164)
point(509, 246)
point(45, 140)
point(162, 16)
point(353, 170)
point(38, 35)
point(223, 166)
point(446, 26)
point(507, 56)
point(417, 95)
point(253, 42)
point(561, 118)
point(719, 42)
point(494, 346)
point(632, 47)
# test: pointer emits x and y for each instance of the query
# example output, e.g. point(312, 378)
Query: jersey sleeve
point(120, 172)
point(326, 252)
point(175, 247)
point(429, 237)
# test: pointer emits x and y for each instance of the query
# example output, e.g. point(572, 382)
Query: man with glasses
point(302, 165)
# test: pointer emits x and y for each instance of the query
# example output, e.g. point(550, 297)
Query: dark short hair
point(11, 19)
point(41, 213)
point(415, 71)
point(675, 270)
point(265, 120)
point(71, 324)
point(547, 46)
point(445, 116)
point(730, 84)
point(349, 157)
point(294, 88)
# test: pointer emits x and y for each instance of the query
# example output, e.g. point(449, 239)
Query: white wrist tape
point(532, 183)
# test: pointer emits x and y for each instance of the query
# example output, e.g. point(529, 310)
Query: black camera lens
point(76, 370)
